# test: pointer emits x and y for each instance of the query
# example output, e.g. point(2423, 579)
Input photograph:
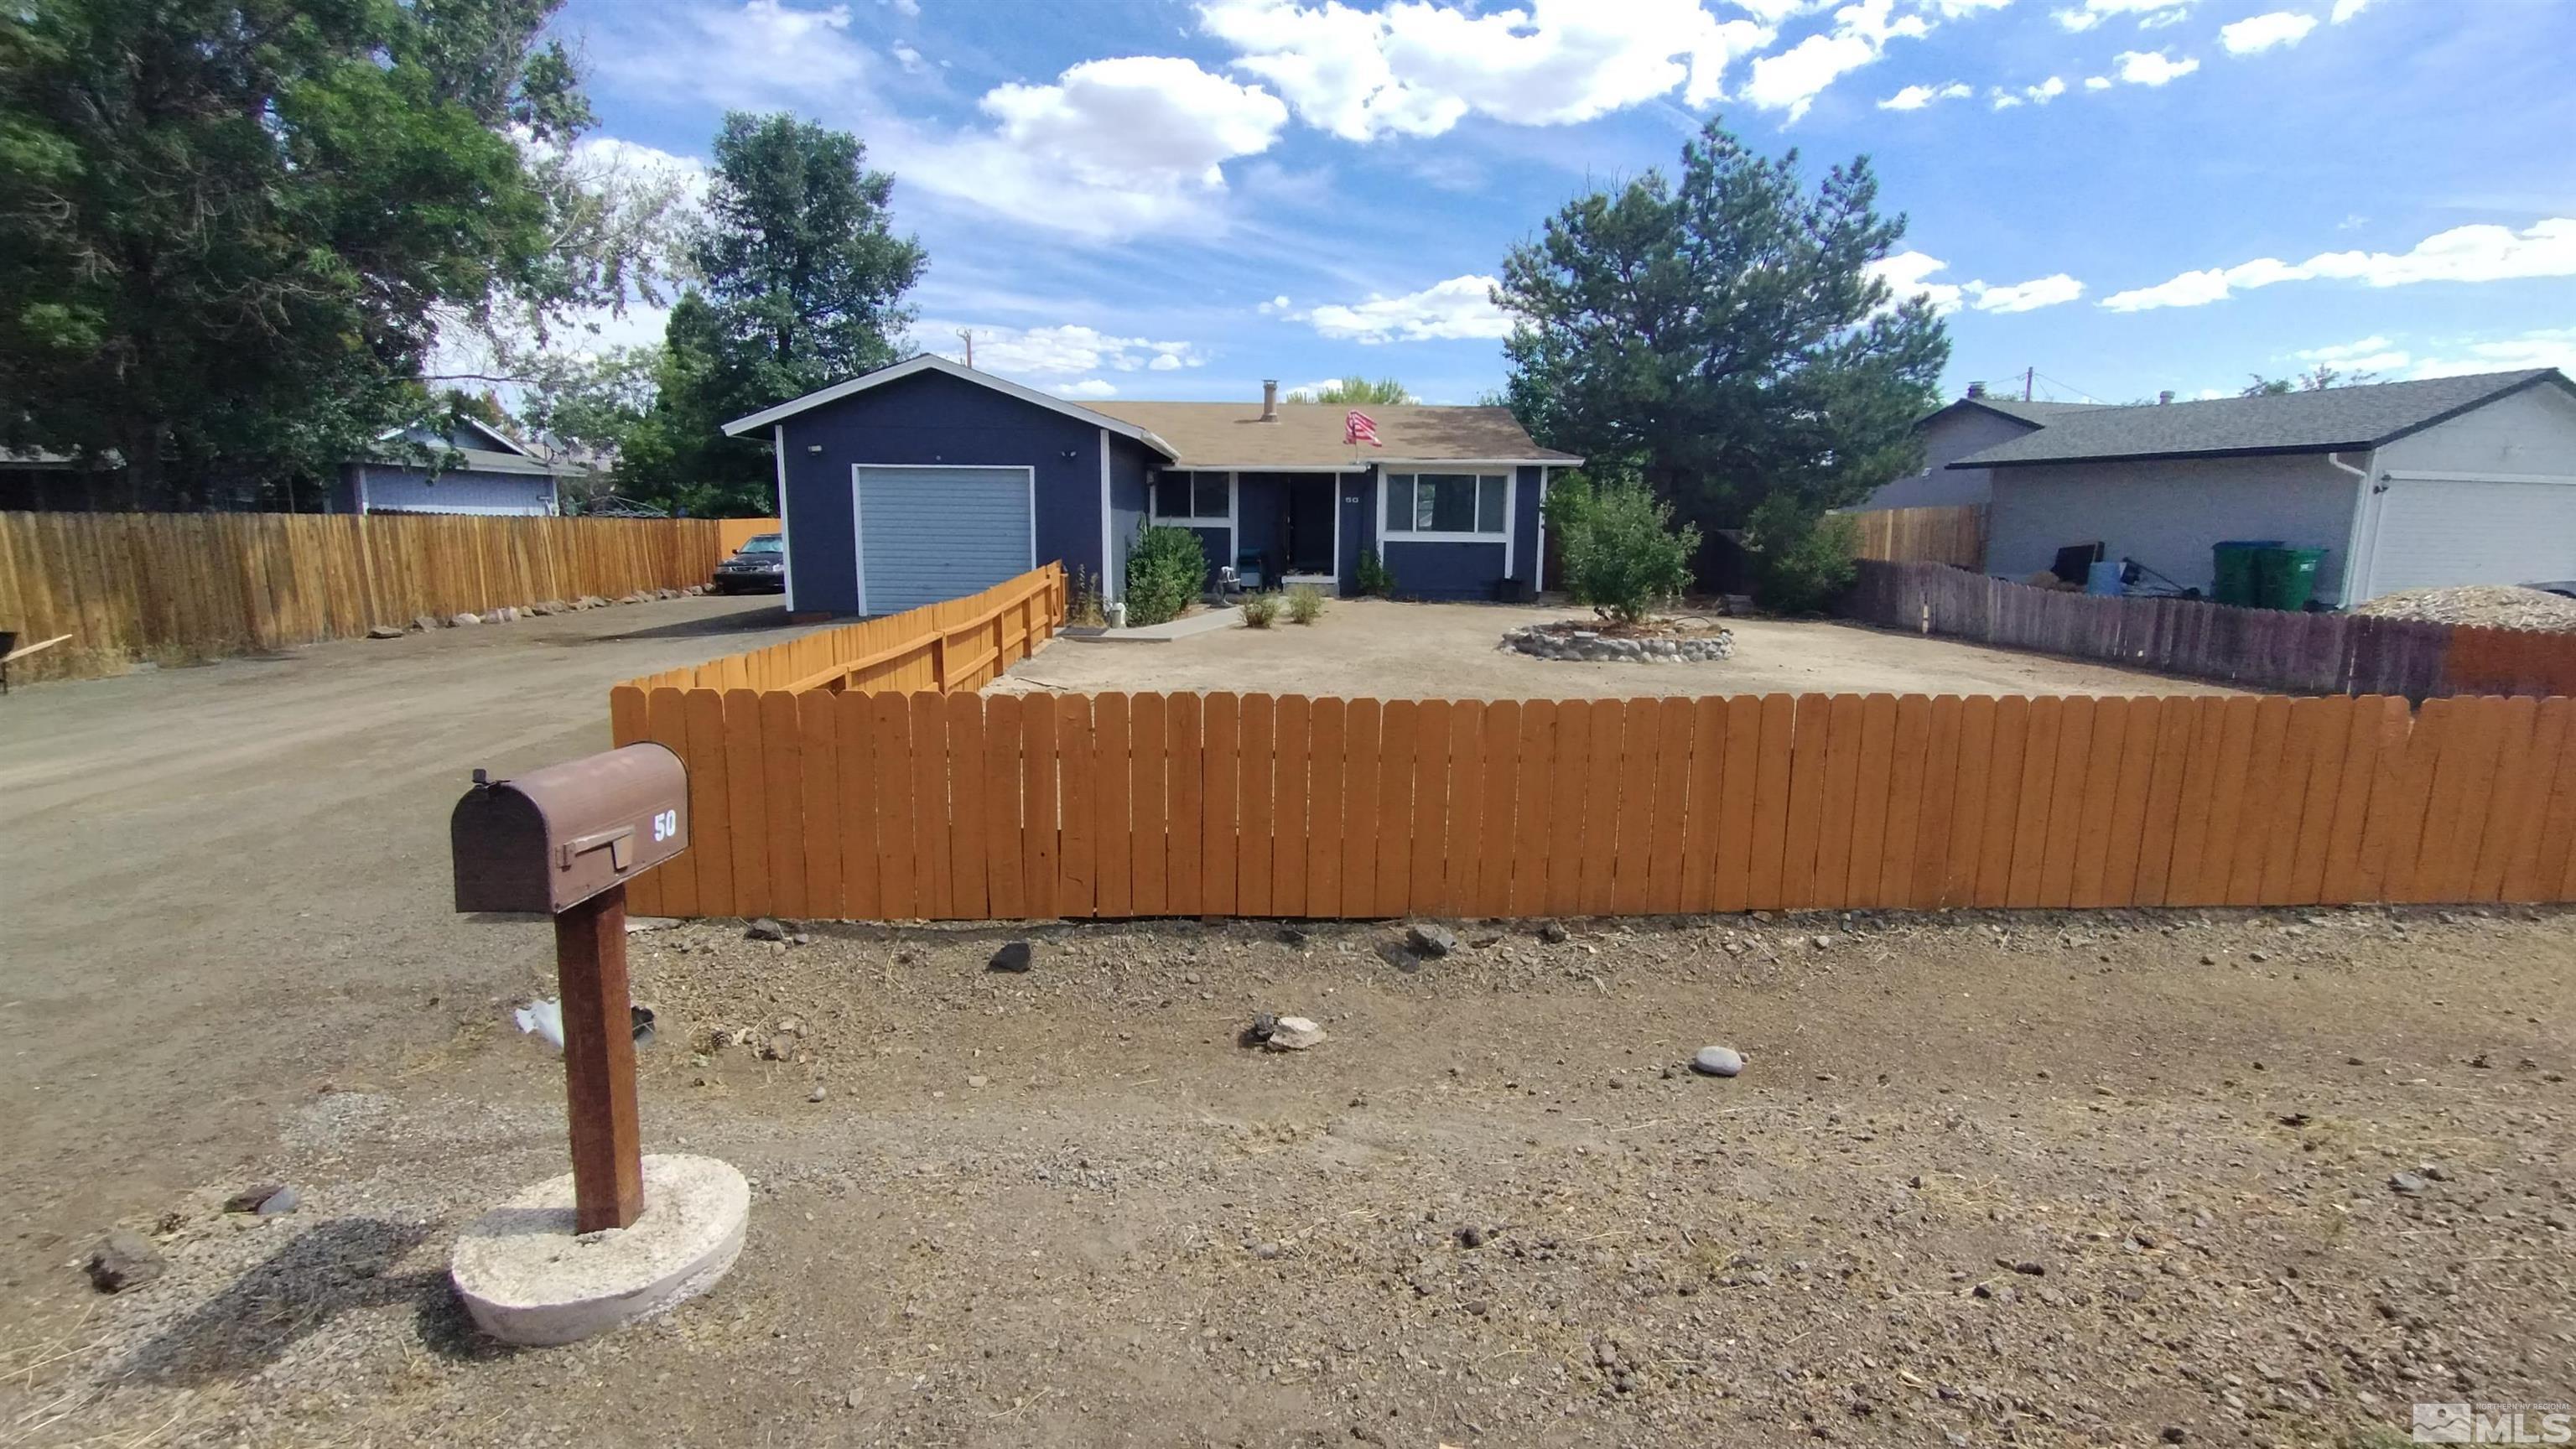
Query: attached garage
point(932, 533)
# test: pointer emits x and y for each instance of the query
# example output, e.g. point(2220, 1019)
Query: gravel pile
point(2489, 606)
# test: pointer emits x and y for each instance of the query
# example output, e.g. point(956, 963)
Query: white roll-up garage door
point(2441, 532)
point(931, 534)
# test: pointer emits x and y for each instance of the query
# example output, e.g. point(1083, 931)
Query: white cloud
point(2370, 354)
point(1038, 353)
point(1792, 79)
point(906, 8)
point(1909, 274)
point(2346, 9)
point(1111, 149)
point(2463, 254)
point(2038, 95)
point(1461, 307)
point(1274, 306)
point(2262, 32)
point(2152, 67)
point(2090, 13)
point(2545, 347)
point(1961, 9)
point(743, 57)
point(1089, 387)
point(1915, 98)
point(909, 58)
point(2097, 83)
point(1417, 69)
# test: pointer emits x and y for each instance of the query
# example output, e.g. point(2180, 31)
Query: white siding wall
point(2167, 514)
point(2446, 513)
point(2531, 432)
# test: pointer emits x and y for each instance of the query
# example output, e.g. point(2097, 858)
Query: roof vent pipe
point(2164, 397)
point(1976, 389)
point(1270, 399)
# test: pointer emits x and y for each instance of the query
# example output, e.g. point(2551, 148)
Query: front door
point(1310, 524)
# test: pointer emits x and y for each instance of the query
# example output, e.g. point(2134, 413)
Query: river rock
point(1716, 1061)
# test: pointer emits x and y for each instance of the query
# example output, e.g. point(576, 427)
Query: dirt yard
point(2075, 1180)
point(2055, 1179)
point(1448, 651)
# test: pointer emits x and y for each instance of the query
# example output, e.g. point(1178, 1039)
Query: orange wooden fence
point(1953, 535)
point(130, 586)
point(922, 806)
point(962, 644)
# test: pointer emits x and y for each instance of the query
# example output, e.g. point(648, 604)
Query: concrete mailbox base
point(528, 1279)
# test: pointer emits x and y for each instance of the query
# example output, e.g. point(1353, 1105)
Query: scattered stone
point(1717, 1061)
point(461, 620)
point(1292, 936)
point(1472, 1236)
point(1293, 1034)
point(267, 1199)
point(426, 622)
point(979, 1081)
point(123, 1260)
point(2405, 1184)
point(2027, 1267)
point(384, 631)
point(1553, 932)
point(765, 929)
point(1263, 1024)
point(1431, 940)
point(1821, 943)
point(2175, 1433)
point(1012, 957)
point(1487, 941)
point(781, 1048)
point(818, 1094)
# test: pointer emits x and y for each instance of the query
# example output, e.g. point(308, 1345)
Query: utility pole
point(2027, 374)
point(969, 334)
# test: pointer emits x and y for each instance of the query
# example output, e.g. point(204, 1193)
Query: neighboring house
point(484, 471)
point(1971, 425)
point(2406, 485)
point(926, 480)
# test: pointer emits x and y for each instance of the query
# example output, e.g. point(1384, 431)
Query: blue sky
point(1178, 198)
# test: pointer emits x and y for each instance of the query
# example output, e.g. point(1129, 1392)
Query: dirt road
point(1367, 647)
point(220, 885)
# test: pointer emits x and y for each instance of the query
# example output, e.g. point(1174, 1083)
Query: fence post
point(939, 662)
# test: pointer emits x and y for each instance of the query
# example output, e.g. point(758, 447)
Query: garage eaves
point(932, 362)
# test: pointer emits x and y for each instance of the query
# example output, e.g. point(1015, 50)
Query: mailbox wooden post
point(599, 1062)
point(565, 840)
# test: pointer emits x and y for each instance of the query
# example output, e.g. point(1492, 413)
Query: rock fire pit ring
point(1574, 641)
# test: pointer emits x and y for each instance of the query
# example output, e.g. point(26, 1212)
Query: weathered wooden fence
point(1955, 535)
point(132, 586)
point(889, 805)
point(962, 644)
point(2258, 648)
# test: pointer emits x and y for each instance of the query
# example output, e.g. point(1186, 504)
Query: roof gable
point(1309, 435)
point(2327, 420)
point(932, 362)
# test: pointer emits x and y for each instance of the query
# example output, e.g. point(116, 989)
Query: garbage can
point(2286, 578)
point(2105, 577)
point(2232, 569)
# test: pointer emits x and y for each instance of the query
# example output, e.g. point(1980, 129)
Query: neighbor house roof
point(932, 362)
point(1309, 435)
point(2326, 420)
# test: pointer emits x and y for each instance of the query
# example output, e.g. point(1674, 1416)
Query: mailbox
point(555, 837)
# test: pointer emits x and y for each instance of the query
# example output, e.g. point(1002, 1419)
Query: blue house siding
point(392, 489)
point(930, 419)
point(1131, 469)
point(1359, 525)
point(1454, 570)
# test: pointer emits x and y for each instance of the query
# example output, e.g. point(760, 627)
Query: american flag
point(1358, 428)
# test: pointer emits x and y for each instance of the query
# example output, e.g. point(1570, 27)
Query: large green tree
point(231, 231)
point(1724, 336)
point(800, 283)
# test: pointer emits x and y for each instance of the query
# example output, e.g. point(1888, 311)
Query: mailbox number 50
point(666, 824)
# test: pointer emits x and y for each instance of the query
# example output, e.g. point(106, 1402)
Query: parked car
point(2555, 586)
point(758, 567)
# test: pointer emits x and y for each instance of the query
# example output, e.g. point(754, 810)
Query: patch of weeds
point(1305, 604)
point(1260, 611)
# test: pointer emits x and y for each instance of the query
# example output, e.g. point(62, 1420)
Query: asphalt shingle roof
point(1229, 434)
point(2297, 422)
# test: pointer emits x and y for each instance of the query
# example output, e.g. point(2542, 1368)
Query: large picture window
point(1186, 497)
point(1448, 505)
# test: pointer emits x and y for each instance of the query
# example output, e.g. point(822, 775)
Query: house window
point(1448, 505)
point(1195, 498)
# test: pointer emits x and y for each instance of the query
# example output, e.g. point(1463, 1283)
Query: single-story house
point(1971, 425)
point(927, 479)
point(2406, 485)
point(487, 472)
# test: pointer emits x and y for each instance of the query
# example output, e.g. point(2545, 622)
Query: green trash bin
point(2232, 569)
point(2286, 578)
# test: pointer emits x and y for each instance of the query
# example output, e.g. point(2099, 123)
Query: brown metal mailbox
point(555, 837)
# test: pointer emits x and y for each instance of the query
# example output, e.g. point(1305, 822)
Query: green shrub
point(1622, 553)
point(1805, 557)
point(1165, 570)
point(1305, 604)
point(1260, 611)
point(1374, 578)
